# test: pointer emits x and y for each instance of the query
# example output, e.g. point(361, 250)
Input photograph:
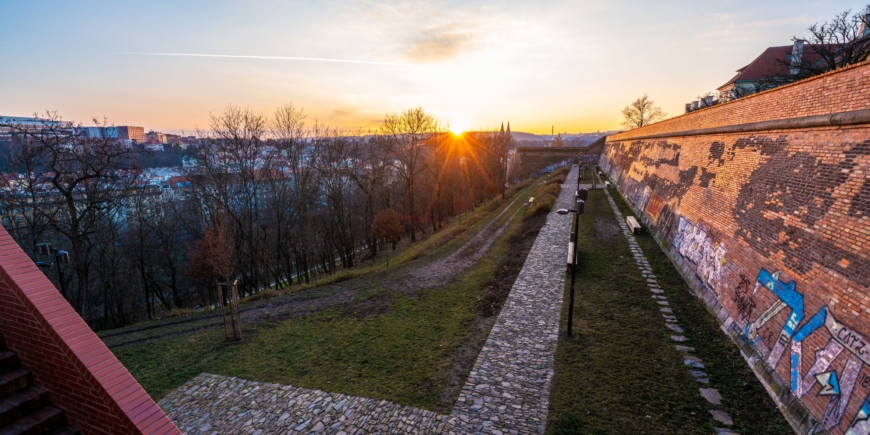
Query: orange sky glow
point(566, 65)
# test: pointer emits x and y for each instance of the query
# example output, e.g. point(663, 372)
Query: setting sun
point(458, 126)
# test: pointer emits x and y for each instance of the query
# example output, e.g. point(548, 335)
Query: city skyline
point(474, 65)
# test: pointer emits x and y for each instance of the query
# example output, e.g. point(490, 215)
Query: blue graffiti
point(786, 293)
point(814, 323)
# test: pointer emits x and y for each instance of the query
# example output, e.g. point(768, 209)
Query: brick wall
point(772, 229)
point(840, 91)
point(67, 359)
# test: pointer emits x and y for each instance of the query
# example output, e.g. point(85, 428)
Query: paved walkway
point(507, 391)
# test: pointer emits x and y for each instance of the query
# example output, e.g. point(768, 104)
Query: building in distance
point(126, 133)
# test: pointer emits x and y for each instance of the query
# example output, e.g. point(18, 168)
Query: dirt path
point(352, 295)
point(442, 271)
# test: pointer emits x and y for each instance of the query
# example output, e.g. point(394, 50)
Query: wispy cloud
point(439, 44)
point(231, 56)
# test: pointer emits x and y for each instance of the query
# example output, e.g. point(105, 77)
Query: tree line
point(273, 200)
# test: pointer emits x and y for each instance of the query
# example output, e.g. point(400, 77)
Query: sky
point(568, 65)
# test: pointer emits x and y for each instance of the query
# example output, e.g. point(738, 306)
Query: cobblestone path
point(508, 389)
point(506, 392)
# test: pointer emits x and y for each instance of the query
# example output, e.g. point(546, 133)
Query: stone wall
point(770, 224)
point(530, 161)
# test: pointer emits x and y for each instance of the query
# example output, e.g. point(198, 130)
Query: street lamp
point(581, 206)
point(61, 258)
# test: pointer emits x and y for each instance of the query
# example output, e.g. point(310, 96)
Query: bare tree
point(387, 226)
point(411, 135)
point(641, 112)
point(837, 43)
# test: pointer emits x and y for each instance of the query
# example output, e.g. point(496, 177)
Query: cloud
point(437, 44)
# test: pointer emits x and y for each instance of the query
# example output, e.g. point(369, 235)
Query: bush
point(545, 197)
point(561, 171)
point(559, 179)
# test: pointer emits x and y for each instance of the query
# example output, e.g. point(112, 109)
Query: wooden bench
point(570, 259)
point(633, 225)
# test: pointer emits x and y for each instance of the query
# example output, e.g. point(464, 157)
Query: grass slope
point(621, 373)
point(405, 353)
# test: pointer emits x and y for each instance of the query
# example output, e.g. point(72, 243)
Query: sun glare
point(458, 126)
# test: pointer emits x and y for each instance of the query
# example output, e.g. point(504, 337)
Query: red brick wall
point(67, 359)
point(840, 91)
point(789, 208)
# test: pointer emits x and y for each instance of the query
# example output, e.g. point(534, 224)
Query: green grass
point(405, 355)
point(620, 373)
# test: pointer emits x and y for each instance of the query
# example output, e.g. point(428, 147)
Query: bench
point(633, 225)
point(570, 259)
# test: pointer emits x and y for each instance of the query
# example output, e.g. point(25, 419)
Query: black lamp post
point(581, 206)
point(60, 258)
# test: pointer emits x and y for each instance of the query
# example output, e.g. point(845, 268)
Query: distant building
point(8, 124)
point(125, 133)
point(155, 137)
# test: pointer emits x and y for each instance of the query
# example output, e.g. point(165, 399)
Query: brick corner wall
point(766, 213)
point(69, 361)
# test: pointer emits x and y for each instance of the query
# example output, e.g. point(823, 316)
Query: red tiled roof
point(771, 63)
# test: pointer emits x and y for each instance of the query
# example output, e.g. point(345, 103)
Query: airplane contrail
point(231, 56)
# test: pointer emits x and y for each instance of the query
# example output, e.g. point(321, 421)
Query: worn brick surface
point(67, 359)
point(773, 227)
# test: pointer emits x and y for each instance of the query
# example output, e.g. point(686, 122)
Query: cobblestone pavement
point(506, 392)
point(693, 363)
point(508, 389)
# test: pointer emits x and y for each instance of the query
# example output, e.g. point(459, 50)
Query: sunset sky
point(572, 64)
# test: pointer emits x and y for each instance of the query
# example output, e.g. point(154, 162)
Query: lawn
point(620, 373)
point(415, 348)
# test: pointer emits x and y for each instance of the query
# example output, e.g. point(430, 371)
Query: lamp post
point(61, 257)
point(578, 210)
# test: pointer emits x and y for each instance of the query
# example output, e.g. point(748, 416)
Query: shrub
point(545, 197)
point(559, 179)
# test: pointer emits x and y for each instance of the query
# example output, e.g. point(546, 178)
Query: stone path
point(507, 391)
point(693, 363)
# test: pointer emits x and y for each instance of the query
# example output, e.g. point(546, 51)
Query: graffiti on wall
point(654, 206)
point(643, 199)
point(835, 384)
point(708, 258)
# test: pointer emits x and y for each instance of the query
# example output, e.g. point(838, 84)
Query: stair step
point(14, 380)
point(8, 360)
point(41, 422)
point(66, 430)
point(21, 403)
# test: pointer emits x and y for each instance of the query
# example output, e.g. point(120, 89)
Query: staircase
point(24, 407)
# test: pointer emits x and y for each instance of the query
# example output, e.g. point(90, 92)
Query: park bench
point(570, 259)
point(633, 225)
